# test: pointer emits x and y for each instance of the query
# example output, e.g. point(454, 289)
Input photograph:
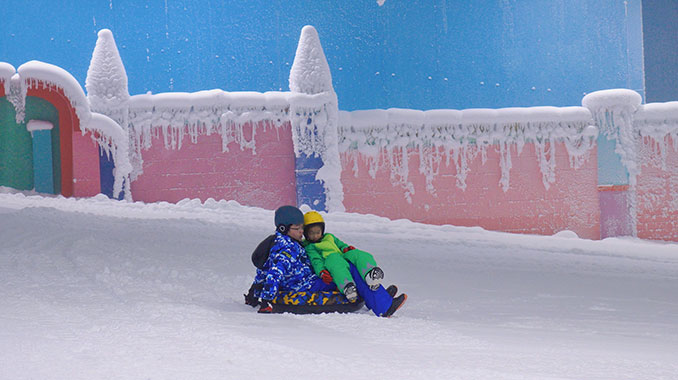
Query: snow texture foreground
point(99, 289)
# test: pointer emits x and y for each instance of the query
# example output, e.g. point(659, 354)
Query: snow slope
point(101, 289)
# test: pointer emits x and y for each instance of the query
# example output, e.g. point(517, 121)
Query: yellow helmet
point(312, 217)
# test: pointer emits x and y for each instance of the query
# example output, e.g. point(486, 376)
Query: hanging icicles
point(384, 138)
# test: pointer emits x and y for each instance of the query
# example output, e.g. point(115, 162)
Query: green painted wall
point(16, 150)
point(16, 144)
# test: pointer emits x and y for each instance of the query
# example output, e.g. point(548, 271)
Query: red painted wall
point(571, 203)
point(657, 193)
point(86, 175)
point(202, 170)
point(68, 123)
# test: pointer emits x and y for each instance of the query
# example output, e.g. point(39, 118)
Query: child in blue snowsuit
point(288, 268)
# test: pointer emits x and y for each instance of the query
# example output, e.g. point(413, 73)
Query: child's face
point(296, 232)
point(315, 233)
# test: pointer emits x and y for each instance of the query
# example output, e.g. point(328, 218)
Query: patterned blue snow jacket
point(287, 269)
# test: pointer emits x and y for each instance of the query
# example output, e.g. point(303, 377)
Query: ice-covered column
point(108, 95)
point(618, 166)
point(314, 118)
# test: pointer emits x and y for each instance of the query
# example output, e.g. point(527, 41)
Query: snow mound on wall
point(383, 137)
point(106, 81)
point(310, 73)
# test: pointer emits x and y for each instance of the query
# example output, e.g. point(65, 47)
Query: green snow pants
point(338, 266)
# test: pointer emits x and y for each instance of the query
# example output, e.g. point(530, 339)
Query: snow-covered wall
point(79, 134)
point(657, 183)
point(530, 170)
point(213, 144)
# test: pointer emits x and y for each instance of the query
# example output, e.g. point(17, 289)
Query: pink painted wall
point(86, 176)
point(657, 194)
point(527, 207)
point(202, 170)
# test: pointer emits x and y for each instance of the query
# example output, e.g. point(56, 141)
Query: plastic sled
point(308, 302)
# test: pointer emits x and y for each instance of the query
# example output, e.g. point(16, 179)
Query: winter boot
point(392, 290)
point(351, 292)
point(373, 278)
point(397, 303)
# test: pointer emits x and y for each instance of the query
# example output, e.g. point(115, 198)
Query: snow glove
point(326, 276)
point(265, 306)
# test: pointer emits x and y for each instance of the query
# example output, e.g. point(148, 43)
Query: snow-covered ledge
point(658, 122)
point(460, 135)
point(6, 72)
point(36, 73)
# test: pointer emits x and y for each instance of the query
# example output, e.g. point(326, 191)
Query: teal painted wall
point(17, 158)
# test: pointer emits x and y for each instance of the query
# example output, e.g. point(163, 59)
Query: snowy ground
point(98, 289)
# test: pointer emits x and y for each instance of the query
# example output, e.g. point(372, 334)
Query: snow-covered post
point(314, 117)
point(6, 73)
point(613, 112)
point(107, 93)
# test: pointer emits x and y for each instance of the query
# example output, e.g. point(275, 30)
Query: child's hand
point(326, 276)
point(349, 248)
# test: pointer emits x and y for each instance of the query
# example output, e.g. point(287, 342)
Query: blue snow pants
point(376, 300)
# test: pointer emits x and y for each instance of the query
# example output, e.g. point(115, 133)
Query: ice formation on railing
point(613, 111)
point(176, 117)
point(657, 123)
point(384, 137)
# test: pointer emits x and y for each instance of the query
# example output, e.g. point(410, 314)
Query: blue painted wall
point(420, 54)
point(660, 37)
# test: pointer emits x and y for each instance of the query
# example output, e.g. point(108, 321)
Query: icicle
point(505, 164)
point(546, 153)
point(17, 96)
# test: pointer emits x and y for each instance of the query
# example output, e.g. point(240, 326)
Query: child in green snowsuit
point(330, 258)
